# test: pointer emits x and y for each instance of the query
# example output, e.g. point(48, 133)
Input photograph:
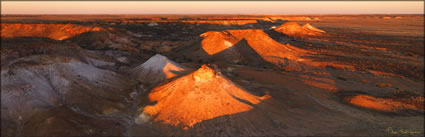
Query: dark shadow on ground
point(18, 47)
point(240, 53)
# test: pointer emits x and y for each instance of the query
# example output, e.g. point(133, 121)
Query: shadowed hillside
point(212, 75)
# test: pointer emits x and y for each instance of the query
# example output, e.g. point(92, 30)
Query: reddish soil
point(145, 75)
point(213, 94)
point(53, 31)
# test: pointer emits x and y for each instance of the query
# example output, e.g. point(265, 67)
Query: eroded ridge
point(293, 29)
point(199, 96)
point(53, 31)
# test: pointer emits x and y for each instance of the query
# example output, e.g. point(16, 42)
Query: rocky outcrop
point(199, 96)
point(40, 82)
point(157, 69)
point(53, 31)
point(250, 46)
point(293, 29)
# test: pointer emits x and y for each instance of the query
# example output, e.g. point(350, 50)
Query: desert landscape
point(212, 75)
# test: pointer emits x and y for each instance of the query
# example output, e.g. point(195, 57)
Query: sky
point(212, 7)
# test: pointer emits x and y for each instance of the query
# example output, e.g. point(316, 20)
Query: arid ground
point(212, 75)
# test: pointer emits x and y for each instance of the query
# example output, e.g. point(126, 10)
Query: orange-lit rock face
point(266, 47)
point(295, 30)
point(307, 26)
point(170, 69)
point(387, 105)
point(289, 28)
point(270, 50)
point(53, 31)
point(221, 41)
point(187, 101)
point(204, 74)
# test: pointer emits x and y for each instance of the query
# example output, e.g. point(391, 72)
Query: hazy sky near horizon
point(212, 7)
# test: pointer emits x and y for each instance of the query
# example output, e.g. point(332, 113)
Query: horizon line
point(223, 14)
